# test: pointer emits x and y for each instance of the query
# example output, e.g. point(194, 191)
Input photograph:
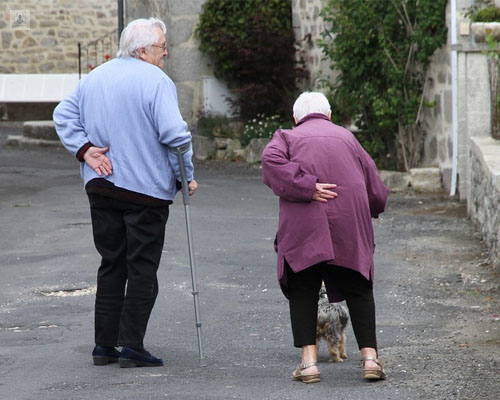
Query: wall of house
point(473, 103)
point(308, 25)
point(46, 42)
point(437, 115)
point(185, 64)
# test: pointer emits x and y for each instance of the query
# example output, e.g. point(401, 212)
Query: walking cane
point(185, 197)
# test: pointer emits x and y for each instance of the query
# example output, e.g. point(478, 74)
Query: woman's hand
point(322, 193)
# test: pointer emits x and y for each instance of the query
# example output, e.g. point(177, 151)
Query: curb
point(23, 141)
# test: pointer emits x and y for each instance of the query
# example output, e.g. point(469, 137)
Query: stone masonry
point(437, 115)
point(185, 63)
point(55, 27)
point(308, 25)
point(484, 192)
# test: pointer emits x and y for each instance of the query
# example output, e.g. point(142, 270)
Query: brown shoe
point(374, 373)
point(305, 378)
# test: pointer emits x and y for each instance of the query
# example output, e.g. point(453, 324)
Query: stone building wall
point(185, 64)
point(437, 115)
point(437, 119)
point(308, 25)
point(49, 45)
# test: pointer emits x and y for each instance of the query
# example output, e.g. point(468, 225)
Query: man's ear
point(142, 54)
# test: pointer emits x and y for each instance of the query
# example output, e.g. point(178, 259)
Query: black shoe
point(104, 355)
point(130, 358)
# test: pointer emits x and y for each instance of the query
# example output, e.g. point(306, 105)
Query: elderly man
point(121, 123)
point(329, 189)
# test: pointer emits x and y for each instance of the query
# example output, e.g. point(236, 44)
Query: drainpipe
point(454, 95)
point(120, 18)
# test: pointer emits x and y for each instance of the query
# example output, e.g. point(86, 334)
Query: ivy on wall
point(382, 50)
point(251, 44)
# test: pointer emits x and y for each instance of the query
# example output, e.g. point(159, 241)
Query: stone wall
point(474, 113)
point(49, 43)
point(473, 102)
point(437, 119)
point(185, 64)
point(484, 192)
point(308, 25)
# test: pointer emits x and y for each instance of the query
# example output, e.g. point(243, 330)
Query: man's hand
point(322, 193)
point(192, 187)
point(96, 158)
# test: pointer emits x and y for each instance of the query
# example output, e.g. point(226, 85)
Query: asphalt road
point(437, 297)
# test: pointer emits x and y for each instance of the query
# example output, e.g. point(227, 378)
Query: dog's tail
point(343, 316)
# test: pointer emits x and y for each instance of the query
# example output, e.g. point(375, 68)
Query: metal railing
point(97, 52)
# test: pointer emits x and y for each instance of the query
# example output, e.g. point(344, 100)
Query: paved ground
point(437, 297)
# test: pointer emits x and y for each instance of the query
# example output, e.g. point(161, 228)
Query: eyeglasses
point(161, 46)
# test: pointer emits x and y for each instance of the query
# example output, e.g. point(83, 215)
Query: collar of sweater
point(312, 116)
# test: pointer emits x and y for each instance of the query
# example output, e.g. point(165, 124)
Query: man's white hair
point(310, 103)
point(139, 33)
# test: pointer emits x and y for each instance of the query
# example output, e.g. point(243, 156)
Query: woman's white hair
point(310, 103)
point(139, 33)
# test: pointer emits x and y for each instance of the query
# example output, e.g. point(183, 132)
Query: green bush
point(488, 14)
point(382, 50)
point(251, 44)
point(211, 125)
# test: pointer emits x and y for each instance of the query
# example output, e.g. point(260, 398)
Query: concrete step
point(425, 180)
point(23, 141)
point(40, 130)
point(36, 134)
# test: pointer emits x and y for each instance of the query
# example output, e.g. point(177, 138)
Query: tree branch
point(390, 59)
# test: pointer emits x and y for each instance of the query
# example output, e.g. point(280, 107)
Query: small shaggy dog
point(332, 320)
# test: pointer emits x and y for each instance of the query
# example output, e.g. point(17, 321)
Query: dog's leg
point(317, 347)
point(333, 348)
point(343, 354)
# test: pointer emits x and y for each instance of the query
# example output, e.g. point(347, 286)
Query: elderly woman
point(329, 188)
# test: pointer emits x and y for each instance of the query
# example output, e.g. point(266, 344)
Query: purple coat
point(338, 232)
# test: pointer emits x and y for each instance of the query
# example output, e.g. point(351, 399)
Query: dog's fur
point(332, 320)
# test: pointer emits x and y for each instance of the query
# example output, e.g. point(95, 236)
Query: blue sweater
point(131, 107)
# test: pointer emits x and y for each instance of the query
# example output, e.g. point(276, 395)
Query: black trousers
point(303, 291)
point(129, 237)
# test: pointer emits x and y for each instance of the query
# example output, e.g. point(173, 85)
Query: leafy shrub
point(476, 6)
point(488, 14)
point(383, 50)
point(251, 44)
point(211, 125)
point(262, 127)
